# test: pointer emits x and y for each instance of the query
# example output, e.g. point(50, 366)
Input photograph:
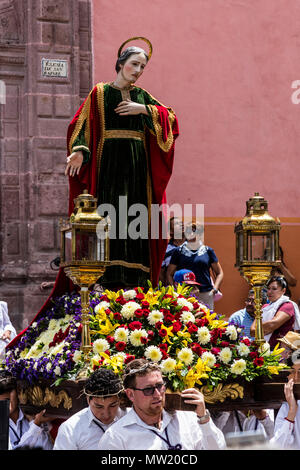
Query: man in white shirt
point(148, 426)
point(22, 432)
point(83, 430)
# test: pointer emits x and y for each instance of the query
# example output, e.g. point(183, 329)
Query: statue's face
point(133, 67)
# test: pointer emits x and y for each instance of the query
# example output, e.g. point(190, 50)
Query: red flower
point(246, 341)
point(168, 317)
point(192, 328)
point(129, 358)
point(163, 347)
point(150, 334)
point(215, 351)
point(145, 304)
point(135, 325)
point(224, 344)
point(185, 309)
point(121, 300)
point(140, 296)
point(201, 322)
point(117, 316)
point(253, 354)
point(258, 361)
point(162, 333)
point(110, 339)
point(120, 345)
point(139, 313)
point(176, 326)
point(217, 365)
point(144, 340)
point(196, 348)
point(158, 324)
point(146, 312)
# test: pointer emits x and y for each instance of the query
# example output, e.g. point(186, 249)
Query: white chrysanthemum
point(154, 317)
point(203, 335)
point(238, 366)
point(135, 337)
point(129, 294)
point(184, 303)
point(121, 334)
point(264, 349)
point(186, 317)
point(127, 311)
point(225, 355)
point(231, 332)
point(48, 366)
point(104, 304)
point(57, 370)
point(34, 324)
point(153, 353)
point(52, 324)
point(100, 345)
point(77, 357)
point(168, 365)
point(209, 358)
point(186, 356)
point(243, 349)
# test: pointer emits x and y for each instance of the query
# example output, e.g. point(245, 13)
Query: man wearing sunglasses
point(148, 426)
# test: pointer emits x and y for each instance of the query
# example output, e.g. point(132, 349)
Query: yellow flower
point(169, 333)
point(196, 373)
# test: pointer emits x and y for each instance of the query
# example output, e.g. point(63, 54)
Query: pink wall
point(226, 67)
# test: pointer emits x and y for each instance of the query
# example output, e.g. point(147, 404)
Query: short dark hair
point(279, 279)
point(8, 382)
point(138, 368)
point(126, 54)
point(103, 382)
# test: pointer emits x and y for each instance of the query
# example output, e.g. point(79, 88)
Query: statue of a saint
point(121, 144)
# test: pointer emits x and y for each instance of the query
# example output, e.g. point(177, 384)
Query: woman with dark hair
point(280, 315)
point(121, 144)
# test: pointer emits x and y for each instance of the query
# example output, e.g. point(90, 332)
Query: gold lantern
point(85, 255)
point(257, 251)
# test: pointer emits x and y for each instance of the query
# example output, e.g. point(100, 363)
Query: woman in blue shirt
point(200, 259)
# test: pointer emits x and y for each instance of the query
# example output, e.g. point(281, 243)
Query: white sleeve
point(36, 436)
point(284, 430)
point(65, 439)
point(212, 437)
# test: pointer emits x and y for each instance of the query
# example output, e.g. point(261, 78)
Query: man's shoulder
point(75, 419)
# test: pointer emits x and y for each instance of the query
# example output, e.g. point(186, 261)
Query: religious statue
point(121, 148)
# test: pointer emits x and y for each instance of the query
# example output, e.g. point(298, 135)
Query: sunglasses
point(148, 391)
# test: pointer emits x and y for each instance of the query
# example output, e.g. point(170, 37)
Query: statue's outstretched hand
point(74, 163)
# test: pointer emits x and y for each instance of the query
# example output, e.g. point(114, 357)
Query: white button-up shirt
point(183, 427)
point(82, 431)
point(26, 433)
point(5, 325)
point(286, 434)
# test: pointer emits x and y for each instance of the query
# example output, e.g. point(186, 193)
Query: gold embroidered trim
point(165, 146)
point(118, 262)
point(101, 111)
point(83, 117)
point(123, 134)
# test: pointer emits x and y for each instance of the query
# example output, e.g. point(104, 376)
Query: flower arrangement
point(192, 345)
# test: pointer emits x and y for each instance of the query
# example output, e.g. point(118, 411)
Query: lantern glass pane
point(86, 246)
point(261, 247)
point(241, 247)
point(68, 246)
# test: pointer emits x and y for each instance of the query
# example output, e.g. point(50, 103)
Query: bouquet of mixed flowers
point(192, 345)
